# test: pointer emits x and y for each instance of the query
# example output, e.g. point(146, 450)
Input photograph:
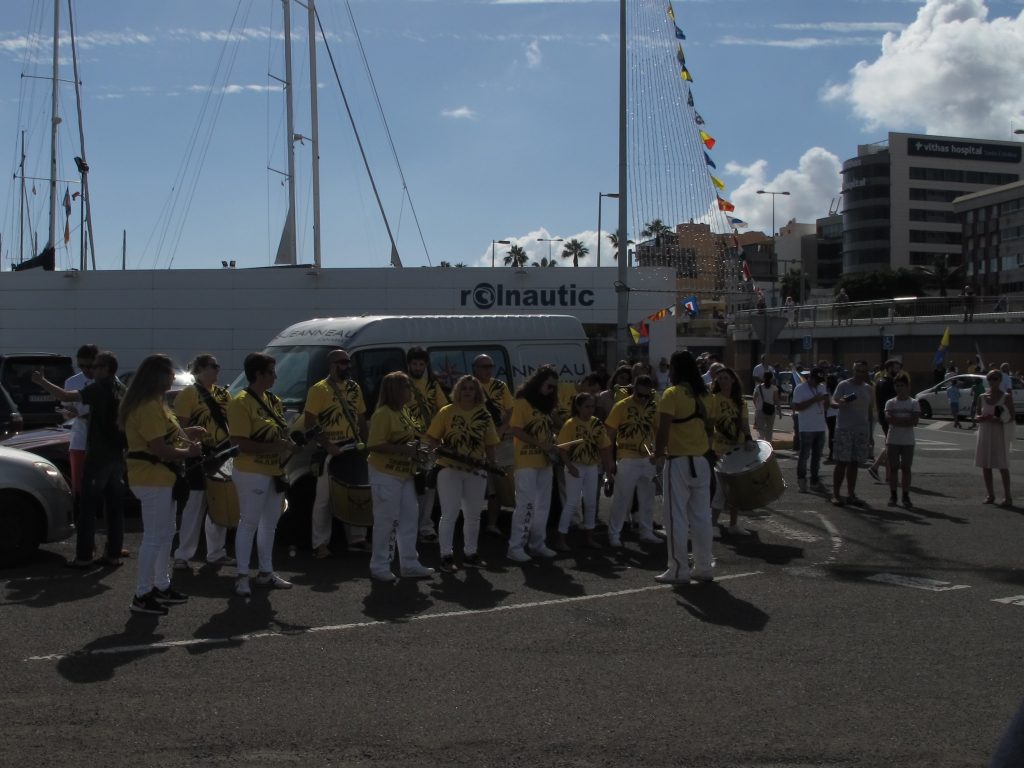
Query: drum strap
point(272, 414)
point(215, 409)
point(343, 404)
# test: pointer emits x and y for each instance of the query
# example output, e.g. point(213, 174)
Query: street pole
point(775, 254)
point(621, 286)
point(493, 242)
point(599, 196)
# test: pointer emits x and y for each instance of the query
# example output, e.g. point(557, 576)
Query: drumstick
point(569, 443)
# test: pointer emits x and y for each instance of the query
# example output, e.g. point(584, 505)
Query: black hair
point(683, 370)
point(87, 351)
point(417, 353)
point(530, 390)
point(255, 364)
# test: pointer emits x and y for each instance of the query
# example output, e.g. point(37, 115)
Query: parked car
point(182, 379)
point(934, 401)
point(38, 408)
point(10, 418)
point(35, 505)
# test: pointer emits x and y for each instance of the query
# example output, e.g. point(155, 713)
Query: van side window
point(372, 365)
point(449, 363)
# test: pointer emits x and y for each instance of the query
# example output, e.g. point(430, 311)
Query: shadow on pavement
point(548, 576)
point(90, 664)
point(713, 604)
point(395, 602)
point(468, 588)
point(752, 547)
point(242, 617)
point(60, 584)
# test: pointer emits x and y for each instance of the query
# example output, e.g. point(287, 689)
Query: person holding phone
point(854, 425)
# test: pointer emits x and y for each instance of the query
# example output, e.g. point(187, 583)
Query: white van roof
point(428, 329)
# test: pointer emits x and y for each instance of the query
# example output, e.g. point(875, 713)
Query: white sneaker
point(671, 577)
point(704, 576)
point(650, 538)
point(518, 556)
point(272, 581)
point(544, 551)
point(384, 576)
point(417, 571)
point(242, 588)
point(738, 530)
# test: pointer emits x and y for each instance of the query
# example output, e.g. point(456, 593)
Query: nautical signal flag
point(680, 56)
point(698, 119)
point(708, 141)
point(671, 13)
point(679, 33)
point(691, 305)
point(745, 271)
point(689, 103)
point(725, 205)
point(635, 334)
point(719, 184)
point(709, 161)
point(685, 74)
point(940, 353)
point(739, 223)
point(67, 201)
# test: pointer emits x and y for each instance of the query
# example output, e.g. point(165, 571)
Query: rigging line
point(359, 141)
point(387, 128)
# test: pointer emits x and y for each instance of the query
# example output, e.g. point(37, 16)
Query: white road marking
point(916, 582)
point(1015, 600)
point(235, 639)
point(933, 442)
point(774, 526)
point(937, 425)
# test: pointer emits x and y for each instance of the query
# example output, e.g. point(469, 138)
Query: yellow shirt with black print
point(330, 411)
point(398, 428)
point(151, 420)
point(688, 436)
point(467, 432)
point(428, 398)
point(193, 409)
point(540, 426)
point(594, 436)
point(633, 423)
point(248, 417)
point(728, 427)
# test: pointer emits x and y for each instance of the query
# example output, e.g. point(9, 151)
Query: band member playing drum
point(156, 442)
point(393, 453)
point(203, 404)
point(336, 404)
point(257, 425)
point(631, 427)
point(618, 389)
point(467, 429)
point(732, 429)
point(498, 401)
point(587, 458)
point(532, 425)
point(427, 399)
point(683, 438)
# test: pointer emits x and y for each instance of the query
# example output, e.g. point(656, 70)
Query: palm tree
point(613, 238)
point(516, 257)
point(445, 264)
point(655, 227)
point(575, 250)
point(545, 262)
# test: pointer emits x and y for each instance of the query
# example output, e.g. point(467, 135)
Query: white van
point(518, 344)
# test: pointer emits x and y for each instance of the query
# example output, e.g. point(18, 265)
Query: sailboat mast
point(622, 288)
point(54, 121)
point(83, 166)
point(286, 251)
point(314, 131)
point(21, 205)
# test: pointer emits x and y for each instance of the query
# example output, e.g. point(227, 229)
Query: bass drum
point(751, 478)
point(351, 501)
point(222, 498)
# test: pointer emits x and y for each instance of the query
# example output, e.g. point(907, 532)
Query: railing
point(926, 309)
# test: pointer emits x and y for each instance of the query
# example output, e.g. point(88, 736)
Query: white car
point(934, 401)
point(35, 504)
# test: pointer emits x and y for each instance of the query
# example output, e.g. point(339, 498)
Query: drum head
point(224, 471)
point(740, 460)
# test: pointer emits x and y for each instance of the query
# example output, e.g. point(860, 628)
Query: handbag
point(768, 409)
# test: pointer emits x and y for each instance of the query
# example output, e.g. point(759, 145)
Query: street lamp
point(599, 196)
point(775, 254)
point(493, 243)
point(549, 241)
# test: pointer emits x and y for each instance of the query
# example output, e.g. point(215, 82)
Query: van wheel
point(20, 535)
point(926, 409)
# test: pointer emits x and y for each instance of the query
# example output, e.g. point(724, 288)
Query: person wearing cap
point(885, 390)
point(810, 399)
point(663, 381)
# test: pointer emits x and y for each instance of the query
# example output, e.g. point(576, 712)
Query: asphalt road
point(832, 636)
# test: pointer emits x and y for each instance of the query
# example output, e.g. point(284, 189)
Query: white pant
point(630, 475)
point(259, 506)
point(585, 486)
point(425, 504)
point(463, 490)
point(188, 533)
point(158, 513)
point(395, 514)
point(533, 502)
point(689, 502)
point(323, 516)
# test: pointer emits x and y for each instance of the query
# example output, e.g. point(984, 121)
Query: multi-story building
point(993, 238)
point(822, 252)
point(898, 197)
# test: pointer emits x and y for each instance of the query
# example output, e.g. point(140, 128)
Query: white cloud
point(234, 88)
point(533, 55)
point(799, 43)
point(846, 26)
point(951, 71)
point(812, 187)
point(459, 113)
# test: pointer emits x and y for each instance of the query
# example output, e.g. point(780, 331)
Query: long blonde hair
point(478, 390)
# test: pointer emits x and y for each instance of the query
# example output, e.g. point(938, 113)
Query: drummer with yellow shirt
point(428, 398)
point(732, 429)
point(682, 440)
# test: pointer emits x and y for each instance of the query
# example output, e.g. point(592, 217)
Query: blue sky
point(502, 112)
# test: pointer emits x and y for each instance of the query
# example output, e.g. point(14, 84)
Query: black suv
point(37, 407)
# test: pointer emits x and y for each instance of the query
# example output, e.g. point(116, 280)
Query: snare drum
point(222, 498)
point(751, 478)
point(351, 501)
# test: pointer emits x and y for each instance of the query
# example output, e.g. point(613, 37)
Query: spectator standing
point(995, 414)
point(831, 412)
point(761, 368)
point(968, 297)
point(810, 398)
point(902, 413)
point(1007, 383)
point(953, 395)
point(853, 440)
point(766, 405)
point(885, 391)
point(85, 358)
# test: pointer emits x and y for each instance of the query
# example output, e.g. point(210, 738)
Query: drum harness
point(318, 461)
point(698, 413)
point(221, 420)
point(280, 483)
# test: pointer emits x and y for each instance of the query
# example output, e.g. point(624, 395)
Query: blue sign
point(808, 343)
point(888, 342)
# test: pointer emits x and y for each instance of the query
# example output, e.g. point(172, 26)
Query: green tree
point(613, 238)
point(655, 227)
point(516, 257)
point(882, 284)
point(545, 262)
point(575, 250)
point(940, 273)
point(789, 284)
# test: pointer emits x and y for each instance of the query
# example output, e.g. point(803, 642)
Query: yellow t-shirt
point(620, 392)
point(323, 403)
point(396, 427)
point(465, 432)
point(540, 426)
point(246, 418)
point(151, 420)
point(690, 437)
point(633, 423)
point(191, 407)
point(594, 436)
point(566, 392)
point(427, 399)
point(498, 395)
point(728, 431)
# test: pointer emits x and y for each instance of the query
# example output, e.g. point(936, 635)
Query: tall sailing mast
point(286, 250)
point(54, 122)
point(314, 131)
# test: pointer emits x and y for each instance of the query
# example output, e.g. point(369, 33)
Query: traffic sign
point(808, 343)
point(888, 342)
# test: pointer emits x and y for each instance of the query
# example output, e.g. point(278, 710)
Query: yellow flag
point(685, 74)
point(671, 13)
point(945, 338)
point(635, 334)
point(717, 182)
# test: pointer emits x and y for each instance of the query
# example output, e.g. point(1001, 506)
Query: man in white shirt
point(1007, 385)
point(760, 368)
point(85, 359)
point(810, 399)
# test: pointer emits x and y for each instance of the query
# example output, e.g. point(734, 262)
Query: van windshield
point(297, 368)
